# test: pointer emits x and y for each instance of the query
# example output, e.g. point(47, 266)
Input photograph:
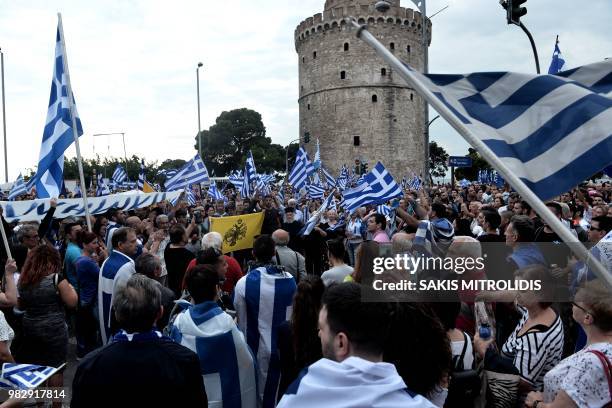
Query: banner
point(239, 231)
point(35, 210)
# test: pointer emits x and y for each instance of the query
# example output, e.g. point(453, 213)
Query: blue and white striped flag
point(300, 170)
point(315, 191)
point(236, 179)
point(193, 172)
point(19, 188)
point(250, 170)
point(557, 62)
point(263, 300)
point(329, 180)
point(228, 366)
point(25, 376)
point(316, 216)
point(168, 174)
point(142, 178)
point(415, 183)
point(378, 187)
point(551, 131)
point(281, 194)
point(384, 210)
point(58, 134)
point(187, 195)
point(214, 192)
point(77, 191)
point(119, 175)
point(102, 189)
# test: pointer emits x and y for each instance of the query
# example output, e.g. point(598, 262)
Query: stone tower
point(349, 97)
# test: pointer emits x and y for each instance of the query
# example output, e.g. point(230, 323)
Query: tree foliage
point(438, 159)
point(471, 173)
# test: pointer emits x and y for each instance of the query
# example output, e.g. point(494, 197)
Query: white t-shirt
point(581, 376)
point(336, 274)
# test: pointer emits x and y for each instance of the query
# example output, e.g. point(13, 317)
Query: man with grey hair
point(150, 266)
point(292, 261)
point(140, 365)
point(298, 214)
point(234, 271)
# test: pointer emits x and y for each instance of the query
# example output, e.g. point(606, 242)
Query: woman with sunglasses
point(580, 380)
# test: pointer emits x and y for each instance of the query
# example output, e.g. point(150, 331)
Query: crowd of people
point(163, 317)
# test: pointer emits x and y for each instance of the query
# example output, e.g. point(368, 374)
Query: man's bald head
point(402, 242)
point(280, 237)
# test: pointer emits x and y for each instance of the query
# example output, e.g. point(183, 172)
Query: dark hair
point(289, 210)
point(146, 264)
point(447, 313)
point(380, 219)
point(43, 260)
point(176, 233)
point(120, 236)
point(439, 209)
point(86, 237)
point(421, 360)
point(112, 213)
point(492, 217)
point(539, 273)
point(208, 256)
point(556, 206)
point(98, 224)
point(180, 213)
point(523, 226)
point(304, 320)
point(263, 248)
point(336, 248)
point(68, 227)
point(201, 282)
point(526, 207)
point(605, 222)
point(365, 324)
point(364, 260)
point(137, 304)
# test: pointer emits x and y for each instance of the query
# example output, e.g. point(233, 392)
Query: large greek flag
point(19, 188)
point(300, 171)
point(227, 365)
point(552, 131)
point(315, 191)
point(378, 187)
point(58, 133)
point(193, 172)
point(262, 300)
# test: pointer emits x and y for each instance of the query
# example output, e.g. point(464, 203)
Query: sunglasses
point(581, 308)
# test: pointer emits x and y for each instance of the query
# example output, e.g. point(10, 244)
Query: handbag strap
point(607, 367)
point(458, 363)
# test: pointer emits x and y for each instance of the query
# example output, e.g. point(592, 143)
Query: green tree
point(471, 173)
point(437, 161)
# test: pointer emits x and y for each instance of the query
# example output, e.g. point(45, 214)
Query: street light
point(287, 157)
point(199, 125)
point(4, 116)
point(123, 139)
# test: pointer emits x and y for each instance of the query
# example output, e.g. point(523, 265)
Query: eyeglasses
point(581, 308)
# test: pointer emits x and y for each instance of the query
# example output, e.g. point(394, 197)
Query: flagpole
point(538, 206)
point(74, 126)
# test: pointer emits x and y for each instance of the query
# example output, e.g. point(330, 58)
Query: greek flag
point(281, 194)
point(557, 61)
point(193, 172)
point(168, 174)
point(266, 178)
point(378, 187)
point(330, 181)
point(343, 178)
point(552, 131)
point(384, 210)
point(316, 164)
point(250, 170)
point(228, 367)
point(102, 189)
point(315, 191)
point(263, 300)
point(433, 237)
point(119, 175)
point(305, 213)
point(142, 178)
point(187, 195)
point(213, 192)
point(77, 192)
point(58, 133)
point(236, 179)
point(301, 170)
point(315, 218)
point(19, 188)
point(415, 183)
point(25, 376)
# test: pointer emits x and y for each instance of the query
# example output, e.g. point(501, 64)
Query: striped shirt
point(535, 352)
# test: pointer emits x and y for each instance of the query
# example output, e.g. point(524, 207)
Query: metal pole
point(4, 116)
point(538, 206)
point(533, 46)
point(74, 127)
point(425, 71)
point(124, 152)
point(199, 125)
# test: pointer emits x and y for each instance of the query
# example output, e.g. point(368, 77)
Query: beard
point(327, 350)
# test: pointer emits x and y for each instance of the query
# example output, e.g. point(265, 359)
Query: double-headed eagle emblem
point(236, 233)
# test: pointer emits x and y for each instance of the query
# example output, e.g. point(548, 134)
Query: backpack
point(465, 384)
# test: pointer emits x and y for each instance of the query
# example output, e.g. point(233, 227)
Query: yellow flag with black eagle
point(238, 231)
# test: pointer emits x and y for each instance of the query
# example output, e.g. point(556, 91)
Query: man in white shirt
point(339, 269)
point(351, 372)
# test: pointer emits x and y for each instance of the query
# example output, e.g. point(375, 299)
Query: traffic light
point(306, 137)
point(515, 11)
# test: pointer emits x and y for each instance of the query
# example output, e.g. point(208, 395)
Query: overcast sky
point(132, 63)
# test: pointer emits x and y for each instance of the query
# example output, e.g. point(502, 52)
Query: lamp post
point(4, 116)
point(199, 125)
point(123, 140)
point(287, 157)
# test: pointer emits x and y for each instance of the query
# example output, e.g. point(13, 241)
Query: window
point(342, 74)
point(346, 46)
point(308, 106)
point(383, 71)
point(302, 88)
point(374, 98)
point(304, 59)
point(411, 96)
point(314, 55)
point(355, 140)
point(392, 46)
point(408, 49)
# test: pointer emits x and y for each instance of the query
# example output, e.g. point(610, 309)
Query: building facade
point(350, 99)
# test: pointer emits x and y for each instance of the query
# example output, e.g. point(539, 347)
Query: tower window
point(355, 140)
point(342, 74)
point(374, 98)
point(314, 55)
point(411, 96)
point(392, 46)
point(308, 106)
point(304, 59)
point(408, 49)
point(383, 71)
point(346, 46)
point(302, 88)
